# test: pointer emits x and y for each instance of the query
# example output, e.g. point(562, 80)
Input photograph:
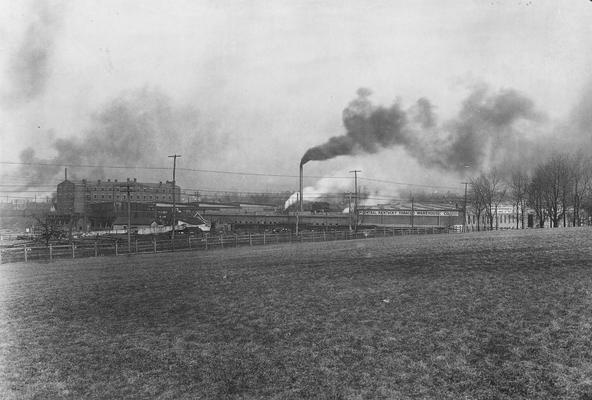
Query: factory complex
point(113, 205)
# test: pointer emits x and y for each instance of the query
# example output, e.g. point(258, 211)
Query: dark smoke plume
point(30, 67)
point(137, 128)
point(485, 120)
point(368, 130)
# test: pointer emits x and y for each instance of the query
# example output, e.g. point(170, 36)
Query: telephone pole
point(174, 222)
point(412, 211)
point(349, 210)
point(129, 220)
point(355, 172)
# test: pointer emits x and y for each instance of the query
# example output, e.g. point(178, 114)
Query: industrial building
point(411, 214)
point(96, 204)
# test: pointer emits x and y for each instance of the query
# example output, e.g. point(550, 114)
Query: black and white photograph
point(250, 199)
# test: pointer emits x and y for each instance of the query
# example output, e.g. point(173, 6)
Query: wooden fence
point(29, 253)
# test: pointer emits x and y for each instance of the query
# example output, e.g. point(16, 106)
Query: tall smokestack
point(300, 189)
point(65, 174)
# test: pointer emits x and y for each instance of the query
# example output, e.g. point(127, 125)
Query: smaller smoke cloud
point(30, 67)
point(423, 113)
point(484, 124)
point(137, 128)
point(320, 190)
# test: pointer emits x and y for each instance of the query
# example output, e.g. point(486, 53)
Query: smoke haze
point(128, 131)
point(30, 66)
point(251, 88)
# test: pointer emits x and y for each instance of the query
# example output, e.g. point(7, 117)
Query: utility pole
point(129, 219)
point(297, 210)
point(349, 209)
point(465, 208)
point(355, 172)
point(174, 222)
point(412, 211)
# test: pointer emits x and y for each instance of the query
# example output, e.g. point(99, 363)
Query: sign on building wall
point(425, 213)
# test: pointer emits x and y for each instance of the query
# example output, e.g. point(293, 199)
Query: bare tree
point(476, 199)
point(581, 177)
point(48, 228)
point(518, 185)
point(493, 192)
point(553, 178)
point(536, 199)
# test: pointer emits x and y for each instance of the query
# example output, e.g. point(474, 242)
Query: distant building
point(407, 213)
point(505, 216)
point(137, 223)
point(97, 203)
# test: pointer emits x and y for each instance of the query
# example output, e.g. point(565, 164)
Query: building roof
point(191, 220)
point(139, 220)
point(116, 183)
point(401, 205)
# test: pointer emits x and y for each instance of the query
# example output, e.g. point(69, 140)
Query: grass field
point(499, 315)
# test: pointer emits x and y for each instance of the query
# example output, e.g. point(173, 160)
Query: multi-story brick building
point(97, 202)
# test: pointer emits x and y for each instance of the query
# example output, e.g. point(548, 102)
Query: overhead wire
point(36, 187)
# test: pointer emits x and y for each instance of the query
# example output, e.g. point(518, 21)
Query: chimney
point(65, 174)
point(300, 189)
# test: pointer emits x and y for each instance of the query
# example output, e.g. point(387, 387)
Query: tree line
point(558, 190)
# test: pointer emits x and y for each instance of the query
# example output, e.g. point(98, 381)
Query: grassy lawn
point(501, 315)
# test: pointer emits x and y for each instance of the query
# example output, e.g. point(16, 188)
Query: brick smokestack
point(300, 206)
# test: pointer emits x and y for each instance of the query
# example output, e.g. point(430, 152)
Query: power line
point(407, 184)
point(214, 172)
point(211, 171)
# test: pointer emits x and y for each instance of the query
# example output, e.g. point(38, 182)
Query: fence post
point(206, 241)
point(136, 246)
point(154, 244)
point(50, 252)
point(25, 249)
point(189, 241)
point(264, 238)
point(73, 250)
point(116, 249)
point(324, 236)
point(250, 240)
point(96, 249)
point(221, 241)
point(235, 240)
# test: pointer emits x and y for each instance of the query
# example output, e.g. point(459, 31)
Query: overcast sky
point(249, 86)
